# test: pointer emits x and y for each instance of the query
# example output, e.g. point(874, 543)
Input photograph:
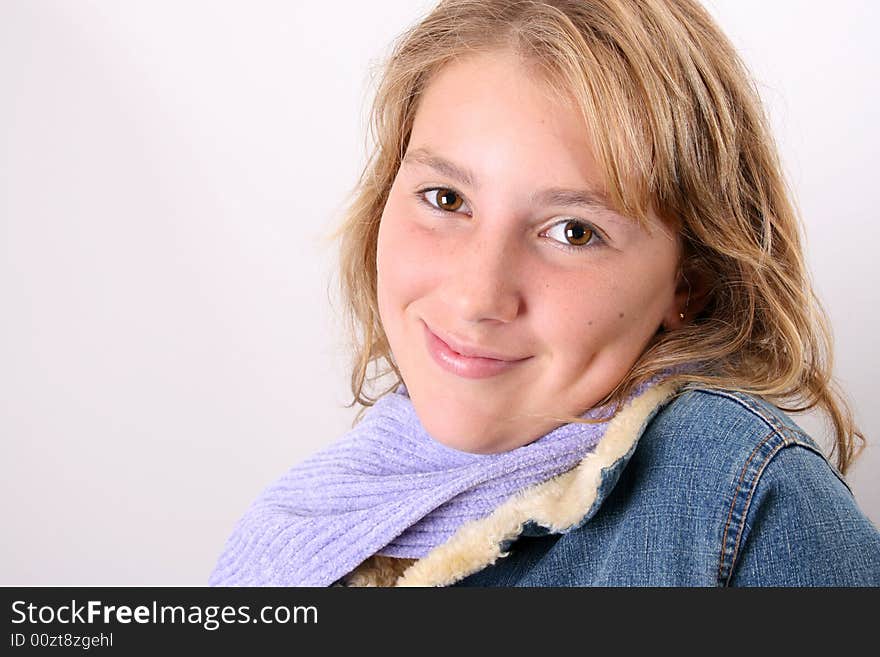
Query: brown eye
point(448, 200)
point(577, 234)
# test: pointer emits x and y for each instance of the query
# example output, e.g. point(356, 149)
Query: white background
point(169, 173)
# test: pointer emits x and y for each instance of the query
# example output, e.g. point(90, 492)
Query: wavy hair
point(677, 125)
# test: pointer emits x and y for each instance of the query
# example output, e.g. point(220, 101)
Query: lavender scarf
point(386, 487)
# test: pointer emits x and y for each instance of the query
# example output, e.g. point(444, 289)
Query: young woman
point(574, 252)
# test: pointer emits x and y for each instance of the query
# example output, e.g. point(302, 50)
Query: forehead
point(497, 90)
point(490, 112)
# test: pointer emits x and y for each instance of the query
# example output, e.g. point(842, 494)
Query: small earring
point(688, 300)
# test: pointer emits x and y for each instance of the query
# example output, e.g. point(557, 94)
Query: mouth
point(469, 367)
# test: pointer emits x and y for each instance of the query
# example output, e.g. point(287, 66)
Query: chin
point(465, 434)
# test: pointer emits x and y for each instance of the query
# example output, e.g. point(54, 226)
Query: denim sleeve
point(804, 528)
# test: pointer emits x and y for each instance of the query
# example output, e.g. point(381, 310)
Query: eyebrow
point(556, 196)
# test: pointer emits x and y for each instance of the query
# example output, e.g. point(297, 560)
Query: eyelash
point(596, 240)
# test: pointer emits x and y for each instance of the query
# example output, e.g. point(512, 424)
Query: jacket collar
point(558, 505)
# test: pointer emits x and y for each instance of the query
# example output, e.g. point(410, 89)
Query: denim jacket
point(694, 487)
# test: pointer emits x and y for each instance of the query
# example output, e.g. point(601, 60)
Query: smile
point(468, 367)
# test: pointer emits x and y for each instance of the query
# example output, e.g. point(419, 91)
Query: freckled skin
point(490, 274)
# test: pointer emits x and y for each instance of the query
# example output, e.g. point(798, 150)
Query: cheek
point(403, 262)
point(575, 319)
point(581, 319)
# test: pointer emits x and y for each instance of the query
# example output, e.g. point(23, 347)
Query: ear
point(691, 296)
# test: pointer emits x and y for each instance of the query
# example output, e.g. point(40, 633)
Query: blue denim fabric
point(722, 489)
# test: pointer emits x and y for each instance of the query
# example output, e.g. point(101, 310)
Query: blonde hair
point(677, 125)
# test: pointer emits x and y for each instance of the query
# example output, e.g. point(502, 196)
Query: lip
point(469, 367)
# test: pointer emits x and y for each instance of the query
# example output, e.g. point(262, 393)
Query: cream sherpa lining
point(557, 504)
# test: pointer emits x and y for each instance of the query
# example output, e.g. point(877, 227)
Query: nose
point(484, 278)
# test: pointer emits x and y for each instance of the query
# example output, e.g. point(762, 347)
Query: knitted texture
point(386, 487)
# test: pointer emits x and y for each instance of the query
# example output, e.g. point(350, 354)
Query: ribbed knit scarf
point(386, 487)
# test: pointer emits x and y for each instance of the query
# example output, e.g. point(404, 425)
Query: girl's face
point(494, 239)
